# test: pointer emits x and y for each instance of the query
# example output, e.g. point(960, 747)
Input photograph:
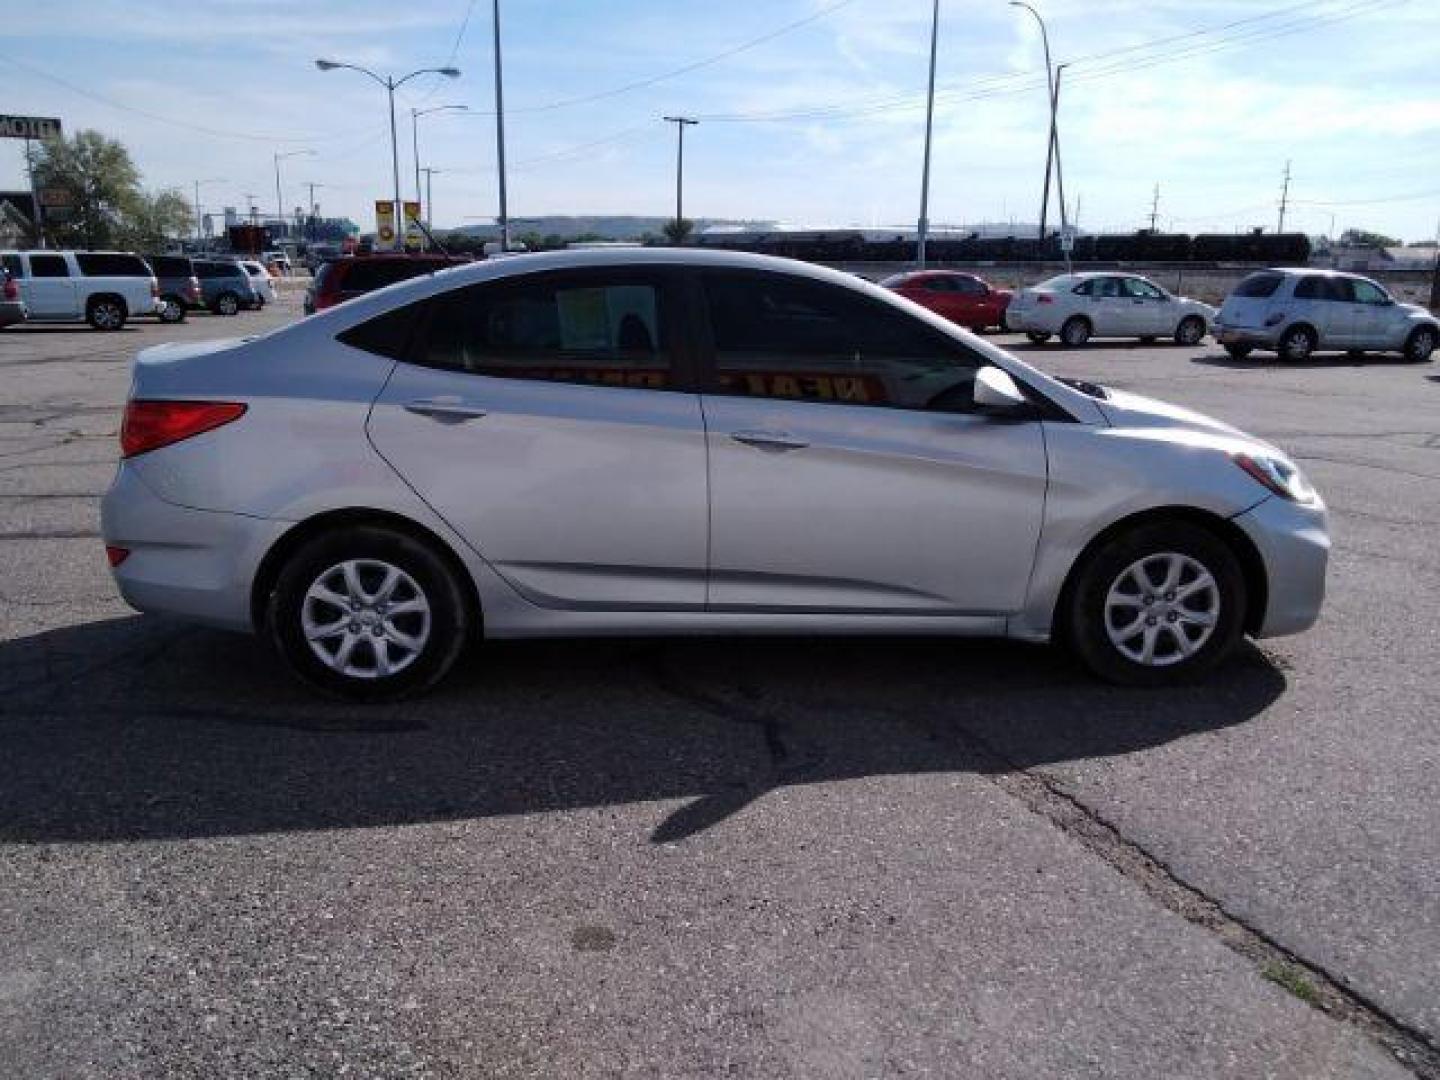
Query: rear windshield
point(365, 275)
point(1258, 286)
point(103, 264)
point(170, 266)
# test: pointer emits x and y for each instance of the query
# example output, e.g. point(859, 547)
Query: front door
point(1372, 312)
point(849, 469)
point(1152, 313)
point(49, 289)
point(544, 417)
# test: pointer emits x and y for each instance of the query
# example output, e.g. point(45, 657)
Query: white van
point(103, 288)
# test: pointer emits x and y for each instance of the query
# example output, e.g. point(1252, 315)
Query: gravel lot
point(751, 858)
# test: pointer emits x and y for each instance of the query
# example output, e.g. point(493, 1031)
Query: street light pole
point(500, 133)
point(415, 115)
point(279, 200)
point(391, 84)
point(211, 180)
point(681, 123)
point(429, 211)
point(1050, 81)
point(922, 232)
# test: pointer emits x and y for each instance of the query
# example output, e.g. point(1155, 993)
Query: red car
point(349, 276)
point(961, 298)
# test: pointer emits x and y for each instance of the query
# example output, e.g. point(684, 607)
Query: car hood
point(1415, 309)
point(1126, 410)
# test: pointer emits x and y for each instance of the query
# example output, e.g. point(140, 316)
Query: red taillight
point(116, 555)
point(12, 291)
point(154, 289)
point(1044, 298)
point(150, 425)
point(195, 289)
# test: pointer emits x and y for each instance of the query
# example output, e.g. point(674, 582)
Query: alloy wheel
point(1162, 609)
point(366, 619)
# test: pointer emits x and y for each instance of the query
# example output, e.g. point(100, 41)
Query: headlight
point(1278, 475)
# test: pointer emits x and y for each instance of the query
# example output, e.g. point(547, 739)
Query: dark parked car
point(355, 275)
point(179, 286)
point(12, 308)
point(225, 287)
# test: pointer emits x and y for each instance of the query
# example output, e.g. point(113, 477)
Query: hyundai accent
point(654, 441)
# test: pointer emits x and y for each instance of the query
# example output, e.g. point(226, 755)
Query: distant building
point(1371, 260)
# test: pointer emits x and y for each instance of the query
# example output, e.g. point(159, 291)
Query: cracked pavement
point(724, 857)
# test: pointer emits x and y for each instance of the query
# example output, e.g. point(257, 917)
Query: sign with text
point(29, 127)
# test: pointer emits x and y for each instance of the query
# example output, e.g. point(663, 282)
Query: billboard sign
point(29, 127)
point(384, 225)
point(414, 239)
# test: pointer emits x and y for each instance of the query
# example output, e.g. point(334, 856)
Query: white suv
point(103, 288)
point(1296, 312)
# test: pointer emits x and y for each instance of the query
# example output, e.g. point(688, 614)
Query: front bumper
point(1294, 543)
point(196, 564)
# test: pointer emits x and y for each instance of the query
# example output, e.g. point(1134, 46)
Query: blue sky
point(819, 125)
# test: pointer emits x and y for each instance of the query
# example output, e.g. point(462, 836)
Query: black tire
point(1076, 331)
point(1148, 339)
point(1037, 338)
point(1087, 625)
point(376, 548)
point(1420, 345)
point(227, 303)
point(1002, 324)
point(173, 311)
point(1190, 332)
point(1239, 352)
point(1297, 343)
point(106, 313)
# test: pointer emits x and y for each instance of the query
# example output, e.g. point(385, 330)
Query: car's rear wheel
point(106, 313)
point(368, 613)
point(1297, 343)
point(1190, 330)
point(227, 304)
point(1157, 605)
point(1076, 331)
point(1420, 345)
point(173, 310)
point(1037, 337)
point(1238, 352)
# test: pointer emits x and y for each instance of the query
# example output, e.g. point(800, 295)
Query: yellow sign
point(414, 238)
point(384, 225)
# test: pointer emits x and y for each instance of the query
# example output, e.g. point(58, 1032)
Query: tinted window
point(1259, 286)
point(1340, 289)
point(784, 337)
point(1367, 292)
point(14, 264)
point(1311, 288)
point(939, 284)
point(386, 335)
point(970, 286)
point(48, 266)
point(588, 329)
point(170, 266)
point(102, 264)
point(217, 270)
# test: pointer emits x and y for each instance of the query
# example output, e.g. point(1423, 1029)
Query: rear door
point(50, 290)
point(849, 468)
point(548, 418)
point(1107, 307)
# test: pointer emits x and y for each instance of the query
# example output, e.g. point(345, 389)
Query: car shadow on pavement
point(1327, 360)
point(140, 728)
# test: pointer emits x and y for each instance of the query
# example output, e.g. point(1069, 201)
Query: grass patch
point(1292, 980)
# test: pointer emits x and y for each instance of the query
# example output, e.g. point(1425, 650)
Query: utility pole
point(923, 230)
point(1050, 83)
point(35, 208)
point(681, 123)
point(1154, 207)
point(428, 214)
point(254, 210)
point(1284, 198)
point(1055, 140)
point(500, 134)
point(312, 210)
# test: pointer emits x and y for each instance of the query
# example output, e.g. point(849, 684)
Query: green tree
point(156, 219)
point(101, 180)
point(1362, 238)
point(678, 230)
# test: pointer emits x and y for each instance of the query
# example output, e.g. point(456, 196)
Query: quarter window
point(49, 266)
point(609, 333)
point(790, 338)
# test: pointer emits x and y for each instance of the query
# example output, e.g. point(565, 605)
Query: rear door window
point(1313, 288)
point(108, 264)
point(49, 266)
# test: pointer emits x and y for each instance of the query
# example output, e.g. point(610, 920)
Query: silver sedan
point(653, 441)
point(1078, 307)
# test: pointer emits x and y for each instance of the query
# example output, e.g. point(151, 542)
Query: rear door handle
point(448, 410)
point(769, 440)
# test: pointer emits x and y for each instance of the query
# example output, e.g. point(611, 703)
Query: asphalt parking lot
point(765, 858)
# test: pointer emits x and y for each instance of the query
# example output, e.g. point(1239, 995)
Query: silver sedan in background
point(1078, 307)
point(653, 441)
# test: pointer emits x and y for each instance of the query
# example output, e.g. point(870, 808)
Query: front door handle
point(769, 440)
point(448, 410)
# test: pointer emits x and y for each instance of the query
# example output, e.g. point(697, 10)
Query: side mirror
point(996, 390)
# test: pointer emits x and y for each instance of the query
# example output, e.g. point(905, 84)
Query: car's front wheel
point(1076, 331)
point(368, 613)
point(106, 313)
point(172, 311)
point(1157, 605)
point(227, 304)
point(1420, 345)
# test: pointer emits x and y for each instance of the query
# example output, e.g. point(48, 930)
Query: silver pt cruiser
point(655, 441)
